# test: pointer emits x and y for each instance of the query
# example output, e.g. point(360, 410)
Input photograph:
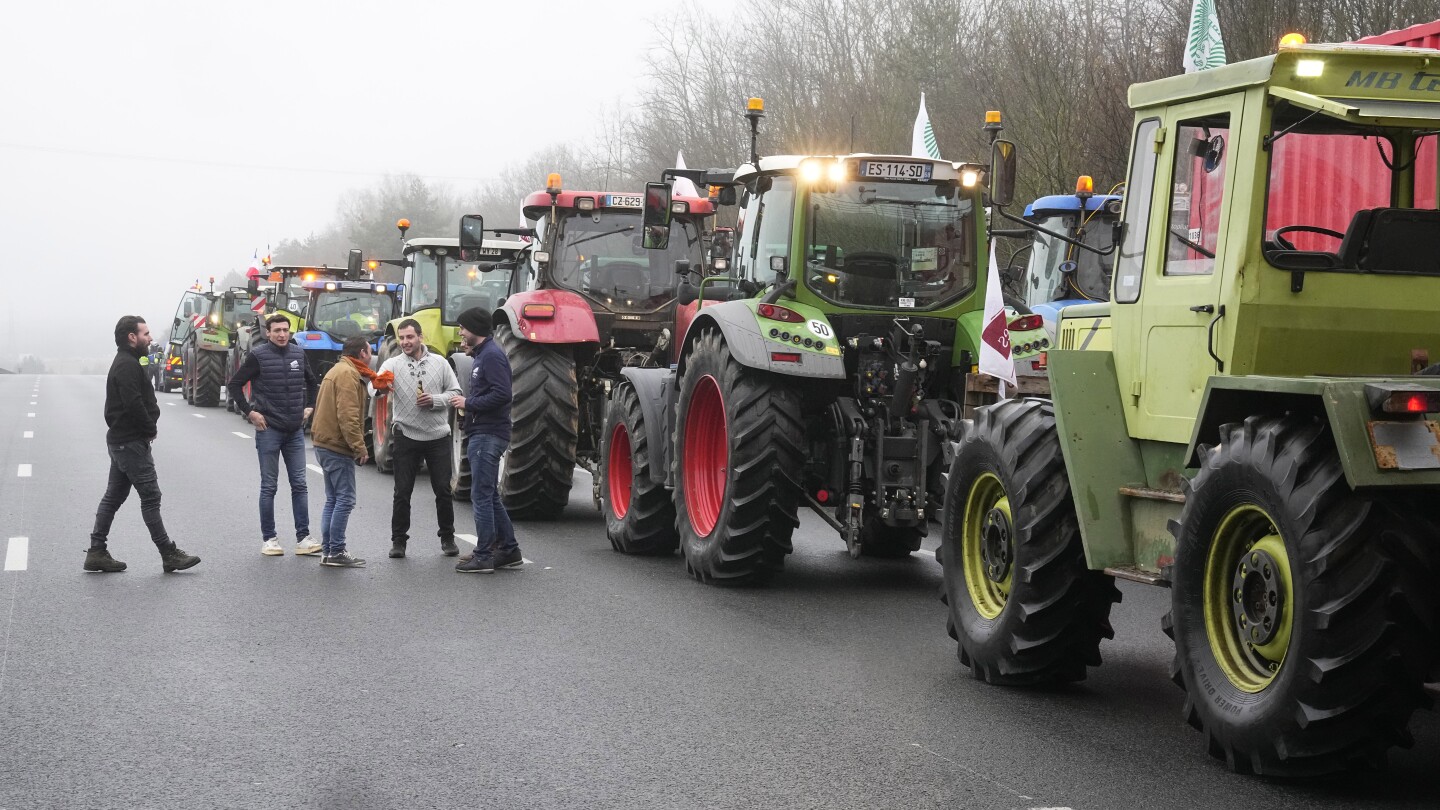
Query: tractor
point(823, 368)
point(200, 339)
point(282, 292)
point(1240, 422)
point(439, 285)
point(592, 302)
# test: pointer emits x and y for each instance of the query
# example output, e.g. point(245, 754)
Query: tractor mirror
point(682, 267)
point(655, 220)
point(727, 196)
point(685, 292)
point(1002, 172)
point(252, 286)
point(353, 263)
point(472, 237)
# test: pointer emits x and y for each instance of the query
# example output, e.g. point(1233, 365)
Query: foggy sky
point(147, 144)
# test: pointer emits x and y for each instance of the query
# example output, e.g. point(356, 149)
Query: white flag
point(922, 139)
point(1203, 48)
point(995, 357)
point(681, 186)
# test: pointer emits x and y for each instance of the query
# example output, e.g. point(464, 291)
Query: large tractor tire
point(1023, 606)
point(460, 463)
point(545, 418)
point(639, 513)
point(209, 379)
point(1303, 613)
point(737, 463)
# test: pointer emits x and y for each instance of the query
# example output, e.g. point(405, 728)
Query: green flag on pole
point(1203, 47)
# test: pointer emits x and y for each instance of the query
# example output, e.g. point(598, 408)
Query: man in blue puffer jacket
point(282, 394)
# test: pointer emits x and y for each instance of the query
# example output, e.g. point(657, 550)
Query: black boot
point(397, 550)
point(448, 548)
point(177, 560)
point(99, 559)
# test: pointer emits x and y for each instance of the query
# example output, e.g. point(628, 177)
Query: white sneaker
point(270, 548)
point(307, 545)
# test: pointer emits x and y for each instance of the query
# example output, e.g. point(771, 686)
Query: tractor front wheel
point(738, 457)
point(1302, 612)
point(1023, 606)
point(209, 379)
point(380, 413)
point(545, 417)
point(639, 513)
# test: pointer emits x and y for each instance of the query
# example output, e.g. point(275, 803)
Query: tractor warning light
point(1292, 40)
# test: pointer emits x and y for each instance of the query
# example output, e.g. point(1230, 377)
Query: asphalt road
point(586, 679)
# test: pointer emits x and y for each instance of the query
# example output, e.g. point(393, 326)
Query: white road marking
point(926, 552)
point(170, 404)
point(316, 468)
point(17, 554)
point(472, 540)
point(32, 402)
point(29, 416)
point(24, 471)
point(242, 435)
point(198, 415)
point(29, 434)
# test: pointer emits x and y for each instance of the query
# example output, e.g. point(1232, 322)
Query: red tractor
point(592, 301)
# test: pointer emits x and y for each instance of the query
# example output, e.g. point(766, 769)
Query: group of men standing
point(283, 394)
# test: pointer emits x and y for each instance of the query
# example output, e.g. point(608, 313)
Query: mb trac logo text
point(1384, 80)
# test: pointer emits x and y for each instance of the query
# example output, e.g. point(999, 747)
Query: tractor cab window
point(1197, 190)
point(1353, 198)
point(1060, 271)
point(424, 286)
point(599, 255)
point(348, 313)
point(745, 226)
point(891, 244)
point(467, 286)
point(773, 207)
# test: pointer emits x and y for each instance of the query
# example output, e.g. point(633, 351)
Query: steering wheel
point(1285, 243)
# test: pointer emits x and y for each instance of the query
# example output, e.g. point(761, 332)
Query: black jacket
point(130, 407)
point(487, 407)
point(282, 385)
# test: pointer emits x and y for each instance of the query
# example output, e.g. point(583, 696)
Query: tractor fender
point(570, 318)
point(737, 323)
point(655, 388)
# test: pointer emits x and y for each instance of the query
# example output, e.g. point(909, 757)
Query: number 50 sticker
point(820, 328)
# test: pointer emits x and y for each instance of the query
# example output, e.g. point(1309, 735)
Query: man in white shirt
point(419, 396)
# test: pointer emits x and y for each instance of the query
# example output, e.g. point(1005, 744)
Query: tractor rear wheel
point(738, 457)
point(545, 418)
point(460, 463)
point(639, 512)
point(209, 379)
point(1023, 606)
point(1303, 613)
point(380, 413)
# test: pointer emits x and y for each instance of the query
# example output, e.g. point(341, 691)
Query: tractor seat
point(474, 301)
point(1393, 240)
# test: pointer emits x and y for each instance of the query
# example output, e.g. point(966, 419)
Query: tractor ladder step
point(1153, 494)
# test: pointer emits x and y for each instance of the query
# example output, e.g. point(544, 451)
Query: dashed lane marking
point(17, 554)
point(23, 471)
point(242, 435)
point(30, 416)
point(171, 404)
point(472, 540)
point(198, 415)
point(926, 552)
point(29, 434)
point(316, 468)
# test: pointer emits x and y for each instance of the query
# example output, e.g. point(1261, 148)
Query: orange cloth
point(381, 381)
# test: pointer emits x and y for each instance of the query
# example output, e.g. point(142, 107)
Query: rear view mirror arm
point(1062, 237)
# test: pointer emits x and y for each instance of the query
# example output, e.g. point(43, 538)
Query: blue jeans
point(339, 499)
point(493, 532)
point(271, 445)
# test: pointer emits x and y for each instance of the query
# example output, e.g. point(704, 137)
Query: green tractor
point(822, 369)
point(438, 285)
point(282, 291)
point(1240, 423)
point(202, 335)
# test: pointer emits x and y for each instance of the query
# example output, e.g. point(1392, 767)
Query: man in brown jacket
point(338, 433)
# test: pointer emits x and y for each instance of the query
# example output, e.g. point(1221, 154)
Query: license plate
point(894, 170)
point(624, 201)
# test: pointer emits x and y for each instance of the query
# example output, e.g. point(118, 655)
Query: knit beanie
point(477, 320)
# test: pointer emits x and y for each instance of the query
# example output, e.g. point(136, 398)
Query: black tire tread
point(649, 525)
point(545, 419)
point(209, 379)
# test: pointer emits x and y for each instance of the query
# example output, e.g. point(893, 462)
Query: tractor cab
point(1058, 274)
point(338, 310)
point(440, 284)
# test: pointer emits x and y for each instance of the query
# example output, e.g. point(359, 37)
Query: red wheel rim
point(382, 417)
point(619, 471)
point(707, 455)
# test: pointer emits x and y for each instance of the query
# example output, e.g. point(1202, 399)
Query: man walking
point(132, 415)
point(339, 437)
point(283, 389)
point(419, 400)
point(487, 434)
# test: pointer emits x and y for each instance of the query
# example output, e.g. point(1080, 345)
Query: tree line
point(846, 75)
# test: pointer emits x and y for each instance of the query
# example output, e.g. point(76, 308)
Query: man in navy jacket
point(132, 416)
point(487, 434)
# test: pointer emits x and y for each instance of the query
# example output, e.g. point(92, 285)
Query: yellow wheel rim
point(1249, 598)
point(987, 546)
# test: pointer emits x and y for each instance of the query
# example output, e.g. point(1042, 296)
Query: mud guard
point(655, 388)
point(571, 319)
point(751, 349)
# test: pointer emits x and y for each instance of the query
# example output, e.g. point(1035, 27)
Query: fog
point(146, 145)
